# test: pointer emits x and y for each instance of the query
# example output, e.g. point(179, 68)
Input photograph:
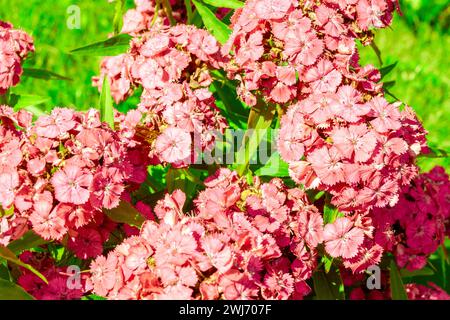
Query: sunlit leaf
point(113, 46)
point(218, 29)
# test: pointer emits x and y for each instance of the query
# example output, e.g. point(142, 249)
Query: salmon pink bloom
point(71, 185)
point(342, 239)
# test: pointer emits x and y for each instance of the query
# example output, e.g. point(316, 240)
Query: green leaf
point(435, 153)
point(398, 291)
point(230, 106)
point(29, 240)
point(275, 167)
point(218, 29)
point(388, 84)
point(405, 273)
point(118, 16)
point(328, 286)
point(11, 291)
point(27, 101)
point(113, 46)
point(188, 5)
point(43, 74)
point(7, 254)
point(231, 4)
point(260, 119)
point(93, 297)
point(330, 213)
point(106, 104)
point(125, 213)
point(388, 69)
point(327, 263)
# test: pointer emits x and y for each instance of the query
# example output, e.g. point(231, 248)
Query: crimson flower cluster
point(419, 223)
point(57, 174)
point(15, 46)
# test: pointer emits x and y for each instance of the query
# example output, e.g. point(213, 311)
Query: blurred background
point(419, 41)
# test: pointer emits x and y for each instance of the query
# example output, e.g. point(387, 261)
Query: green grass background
point(419, 41)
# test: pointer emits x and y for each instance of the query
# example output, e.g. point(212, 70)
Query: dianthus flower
point(417, 225)
point(15, 46)
point(285, 50)
point(172, 65)
point(57, 175)
point(260, 245)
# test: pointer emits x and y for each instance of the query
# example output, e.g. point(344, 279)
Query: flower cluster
point(430, 292)
point(358, 289)
point(418, 224)
point(240, 242)
point(58, 279)
point(57, 174)
point(362, 160)
point(172, 65)
point(143, 17)
point(339, 134)
point(285, 50)
point(15, 45)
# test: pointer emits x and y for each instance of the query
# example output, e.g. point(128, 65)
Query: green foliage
point(11, 291)
point(328, 285)
point(219, 29)
point(125, 213)
point(106, 104)
point(398, 291)
point(29, 240)
point(8, 255)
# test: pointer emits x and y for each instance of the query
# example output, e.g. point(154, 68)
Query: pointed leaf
point(29, 240)
point(275, 167)
point(231, 4)
point(118, 16)
point(106, 104)
point(113, 46)
point(25, 101)
point(218, 29)
point(11, 291)
point(43, 74)
point(7, 254)
point(398, 291)
point(328, 286)
point(386, 70)
point(125, 213)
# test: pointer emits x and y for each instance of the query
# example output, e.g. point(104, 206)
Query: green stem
point(188, 6)
point(168, 9)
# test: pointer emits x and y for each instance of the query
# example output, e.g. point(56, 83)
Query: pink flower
point(58, 290)
point(311, 227)
point(327, 164)
point(58, 123)
point(386, 115)
point(174, 145)
point(355, 140)
point(272, 9)
point(103, 274)
point(47, 222)
point(342, 239)
point(107, 187)
point(9, 181)
point(71, 185)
